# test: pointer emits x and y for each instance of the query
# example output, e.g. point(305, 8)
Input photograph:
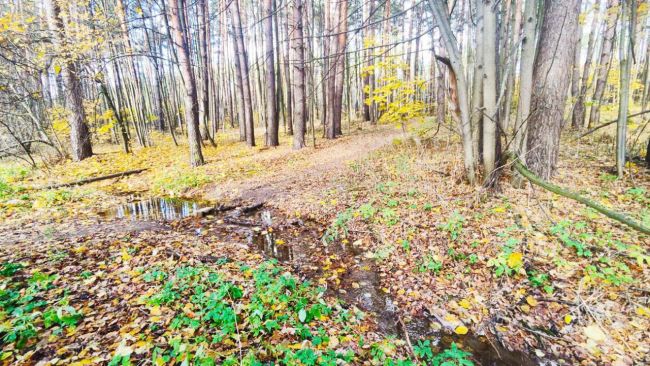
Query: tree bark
point(369, 72)
point(551, 78)
point(190, 96)
point(341, 58)
point(489, 88)
point(526, 78)
point(625, 49)
point(269, 60)
point(244, 72)
point(578, 114)
point(441, 16)
point(287, 72)
point(604, 63)
point(298, 62)
point(204, 108)
point(80, 143)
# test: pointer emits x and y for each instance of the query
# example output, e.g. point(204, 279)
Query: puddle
point(156, 209)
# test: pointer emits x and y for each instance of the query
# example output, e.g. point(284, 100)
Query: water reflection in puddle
point(156, 209)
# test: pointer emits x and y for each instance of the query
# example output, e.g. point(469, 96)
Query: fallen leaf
point(595, 333)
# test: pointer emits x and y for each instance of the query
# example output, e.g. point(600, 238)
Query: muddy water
point(156, 209)
point(360, 285)
point(298, 244)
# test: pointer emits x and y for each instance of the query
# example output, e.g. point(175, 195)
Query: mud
point(350, 275)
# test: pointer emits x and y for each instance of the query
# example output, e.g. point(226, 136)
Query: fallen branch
point(407, 338)
point(590, 131)
point(95, 179)
point(574, 196)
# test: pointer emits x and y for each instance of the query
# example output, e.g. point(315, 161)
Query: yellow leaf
point(515, 260)
point(595, 333)
point(531, 301)
point(641, 310)
point(464, 303)
point(155, 311)
point(568, 318)
point(125, 255)
point(461, 329)
point(84, 362)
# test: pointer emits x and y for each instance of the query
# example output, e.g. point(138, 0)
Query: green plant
point(23, 305)
point(367, 211)
point(452, 356)
point(422, 349)
point(540, 279)
point(339, 227)
point(610, 272)
point(430, 264)
point(564, 230)
point(389, 216)
point(454, 225)
point(508, 261)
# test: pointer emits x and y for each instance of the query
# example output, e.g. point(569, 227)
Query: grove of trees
point(507, 76)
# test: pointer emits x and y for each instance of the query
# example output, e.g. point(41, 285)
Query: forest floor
point(368, 250)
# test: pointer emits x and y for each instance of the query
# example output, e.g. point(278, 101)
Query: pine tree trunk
point(287, 73)
point(244, 72)
point(551, 78)
point(298, 62)
point(341, 58)
point(269, 59)
point(204, 108)
point(191, 103)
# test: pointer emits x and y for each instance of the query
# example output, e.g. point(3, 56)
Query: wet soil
point(341, 266)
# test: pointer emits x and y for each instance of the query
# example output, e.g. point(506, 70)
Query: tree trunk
point(287, 73)
point(628, 20)
point(476, 103)
point(551, 82)
point(341, 58)
point(441, 16)
point(369, 72)
point(244, 72)
point(298, 61)
point(604, 63)
point(489, 88)
point(526, 78)
point(204, 108)
point(80, 143)
point(190, 97)
point(269, 58)
point(578, 114)
point(331, 53)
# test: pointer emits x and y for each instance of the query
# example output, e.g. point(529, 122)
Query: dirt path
point(322, 165)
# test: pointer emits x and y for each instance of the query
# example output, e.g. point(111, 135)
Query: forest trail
point(319, 167)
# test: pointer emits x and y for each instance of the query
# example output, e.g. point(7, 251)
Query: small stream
point(298, 244)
